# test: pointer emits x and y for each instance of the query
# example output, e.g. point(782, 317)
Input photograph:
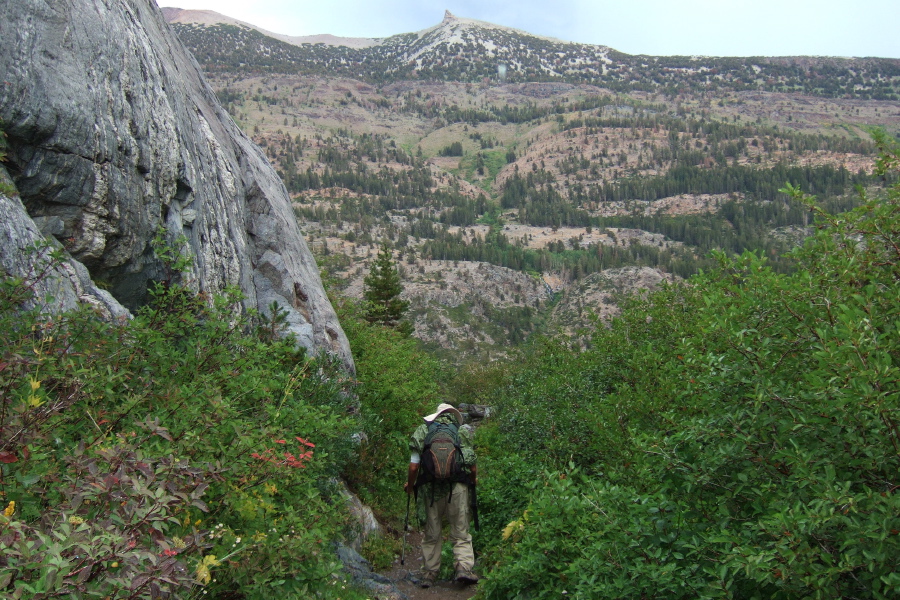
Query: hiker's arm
point(411, 473)
point(416, 446)
point(473, 474)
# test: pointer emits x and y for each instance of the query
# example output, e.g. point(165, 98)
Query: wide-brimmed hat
point(442, 408)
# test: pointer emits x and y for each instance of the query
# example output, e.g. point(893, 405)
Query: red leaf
point(8, 457)
point(302, 441)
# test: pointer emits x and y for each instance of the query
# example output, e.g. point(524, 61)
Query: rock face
point(58, 285)
point(114, 133)
point(599, 294)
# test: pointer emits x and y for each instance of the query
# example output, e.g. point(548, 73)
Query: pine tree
point(382, 291)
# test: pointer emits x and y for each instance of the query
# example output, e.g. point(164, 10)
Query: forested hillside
point(575, 160)
point(734, 437)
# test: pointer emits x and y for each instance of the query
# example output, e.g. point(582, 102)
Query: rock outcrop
point(58, 285)
point(114, 133)
point(598, 296)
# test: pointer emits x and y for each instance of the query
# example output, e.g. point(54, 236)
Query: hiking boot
point(427, 580)
point(466, 577)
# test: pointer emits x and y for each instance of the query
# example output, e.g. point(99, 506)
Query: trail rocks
point(360, 571)
point(364, 521)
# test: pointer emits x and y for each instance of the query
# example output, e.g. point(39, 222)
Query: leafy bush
point(734, 438)
point(187, 448)
point(397, 386)
point(89, 540)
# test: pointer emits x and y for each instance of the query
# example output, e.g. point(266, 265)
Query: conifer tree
point(382, 291)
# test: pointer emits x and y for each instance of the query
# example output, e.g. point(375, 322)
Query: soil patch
point(405, 577)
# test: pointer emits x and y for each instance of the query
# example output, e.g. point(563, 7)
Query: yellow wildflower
point(513, 530)
point(203, 575)
point(75, 520)
point(10, 509)
point(178, 543)
point(35, 384)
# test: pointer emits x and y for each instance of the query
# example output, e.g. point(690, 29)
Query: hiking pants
point(457, 514)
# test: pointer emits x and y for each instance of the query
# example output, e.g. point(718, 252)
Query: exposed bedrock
point(113, 132)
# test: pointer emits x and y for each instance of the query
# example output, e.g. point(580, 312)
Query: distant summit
point(210, 18)
point(473, 51)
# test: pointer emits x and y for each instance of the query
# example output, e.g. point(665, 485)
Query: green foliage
point(734, 438)
point(6, 187)
point(454, 149)
point(111, 498)
point(382, 291)
point(397, 386)
point(174, 255)
point(186, 448)
point(381, 551)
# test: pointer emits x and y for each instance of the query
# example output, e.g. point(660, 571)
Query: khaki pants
point(457, 514)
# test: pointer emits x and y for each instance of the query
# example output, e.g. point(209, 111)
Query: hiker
point(444, 471)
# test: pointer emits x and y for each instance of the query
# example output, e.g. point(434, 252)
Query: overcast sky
point(656, 27)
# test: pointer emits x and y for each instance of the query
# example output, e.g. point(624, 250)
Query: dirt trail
point(405, 575)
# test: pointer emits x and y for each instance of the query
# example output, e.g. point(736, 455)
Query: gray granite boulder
point(114, 133)
point(58, 284)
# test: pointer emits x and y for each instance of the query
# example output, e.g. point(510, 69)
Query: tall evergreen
point(382, 291)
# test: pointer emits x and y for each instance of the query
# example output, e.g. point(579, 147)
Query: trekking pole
point(405, 530)
point(474, 502)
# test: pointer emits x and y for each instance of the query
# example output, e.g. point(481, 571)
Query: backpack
point(442, 459)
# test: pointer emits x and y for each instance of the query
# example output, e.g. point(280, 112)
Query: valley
point(541, 180)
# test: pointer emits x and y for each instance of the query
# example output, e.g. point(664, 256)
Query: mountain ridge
point(467, 50)
point(211, 17)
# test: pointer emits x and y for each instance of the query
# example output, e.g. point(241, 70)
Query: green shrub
point(735, 438)
point(396, 386)
point(381, 551)
point(187, 448)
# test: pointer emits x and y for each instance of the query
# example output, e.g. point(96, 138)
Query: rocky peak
point(114, 134)
point(448, 17)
